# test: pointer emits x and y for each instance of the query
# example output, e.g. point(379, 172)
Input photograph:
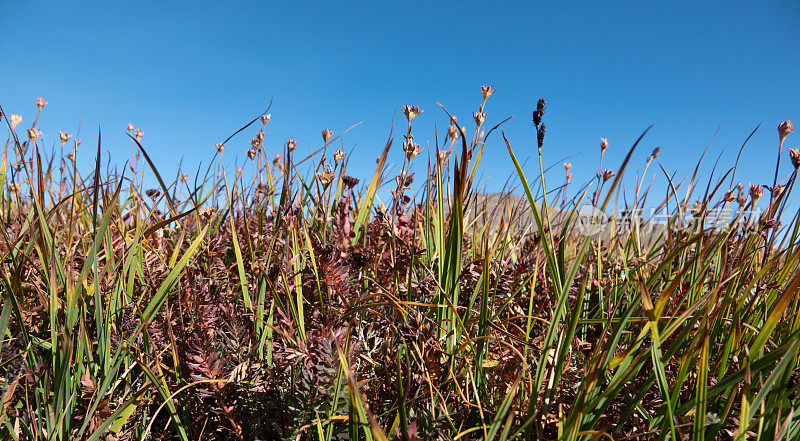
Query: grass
point(283, 302)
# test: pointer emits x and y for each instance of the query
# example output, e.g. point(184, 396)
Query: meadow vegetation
point(283, 301)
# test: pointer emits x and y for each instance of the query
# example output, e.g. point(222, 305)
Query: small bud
point(487, 91)
point(220, 147)
point(567, 166)
point(608, 174)
point(64, 137)
point(785, 128)
point(265, 118)
point(33, 134)
point(603, 144)
point(540, 135)
point(480, 117)
point(338, 156)
point(795, 155)
point(40, 103)
point(326, 135)
point(129, 127)
point(291, 144)
point(14, 119)
point(138, 134)
point(411, 112)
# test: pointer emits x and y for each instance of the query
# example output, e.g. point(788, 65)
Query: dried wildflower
point(33, 134)
point(479, 117)
point(326, 135)
point(756, 192)
point(14, 119)
point(785, 128)
point(40, 103)
point(326, 176)
point(152, 193)
point(603, 144)
point(291, 144)
point(741, 198)
point(452, 132)
point(411, 112)
point(70, 156)
point(265, 118)
point(130, 128)
point(539, 112)
point(64, 137)
point(487, 91)
point(220, 147)
point(404, 180)
point(77, 143)
point(251, 153)
point(795, 155)
point(442, 156)
point(256, 143)
point(608, 174)
point(138, 133)
point(410, 148)
point(349, 181)
point(567, 166)
point(182, 177)
point(540, 135)
point(260, 135)
point(728, 196)
point(338, 156)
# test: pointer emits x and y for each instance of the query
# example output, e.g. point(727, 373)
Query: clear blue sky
point(190, 73)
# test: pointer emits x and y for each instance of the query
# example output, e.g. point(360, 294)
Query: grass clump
point(284, 302)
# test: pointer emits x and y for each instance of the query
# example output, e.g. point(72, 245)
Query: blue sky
point(190, 73)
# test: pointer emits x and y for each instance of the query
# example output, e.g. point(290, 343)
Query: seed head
point(654, 155)
point(603, 144)
point(64, 137)
point(14, 119)
point(540, 135)
point(411, 112)
point(265, 118)
point(487, 91)
point(138, 133)
point(442, 157)
point(539, 112)
point(152, 193)
point(785, 128)
point(795, 155)
point(338, 156)
point(349, 181)
point(220, 147)
point(569, 177)
point(256, 143)
point(452, 132)
point(325, 177)
point(33, 134)
point(756, 192)
point(608, 174)
point(326, 135)
point(130, 128)
point(251, 153)
point(291, 144)
point(480, 117)
point(410, 148)
point(40, 103)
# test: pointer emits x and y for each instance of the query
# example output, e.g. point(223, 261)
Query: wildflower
point(40, 103)
point(540, 135)
point(410, 148)
point(567, 166)
point(326, 135)
point(539, 112)
point(130, 127)
point(608, 174)
point(487, 91)
point(756, 192)
point(338, 156)
point(251, 153)
point(349, 181)
point(795, 155)
point(325, 177)
point(14, 119)
point(785, 128)
point(220, 147)
point(33, 134)
point(64, 137)
point(411, 112)
point(291, 144)
point(480, 117)
point(265, 118)
point(138, 134)
point(603, 144)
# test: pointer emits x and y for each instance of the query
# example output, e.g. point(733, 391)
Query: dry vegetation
point(283, 303)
